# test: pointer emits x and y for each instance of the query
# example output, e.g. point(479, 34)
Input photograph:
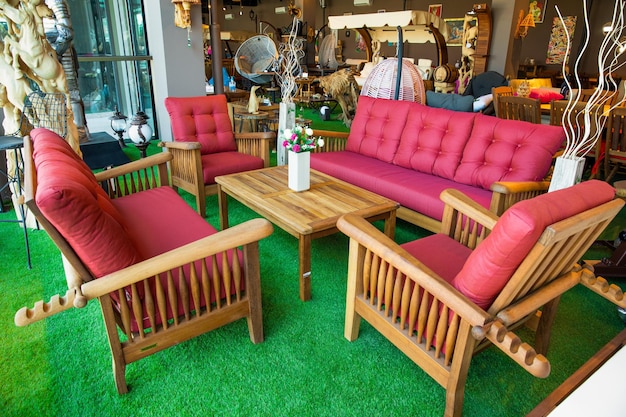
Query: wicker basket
point(381, 83)
point(255, 58)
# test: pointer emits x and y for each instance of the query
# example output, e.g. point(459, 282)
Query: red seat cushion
point(493, 262)
point(440, 253)
point(158, 220)
point(225, 163)
point(69, 196)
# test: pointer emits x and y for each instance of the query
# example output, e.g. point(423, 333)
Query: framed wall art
point(456, 31)
point(435, 9)
point(537, 8)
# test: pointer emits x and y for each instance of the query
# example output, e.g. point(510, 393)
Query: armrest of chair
point(245, 234)
point(186, 165)
point(256, 144)
point(135, 176)
point(333, 141)
point(601, 286)
point(464, 220)
point(505, 194)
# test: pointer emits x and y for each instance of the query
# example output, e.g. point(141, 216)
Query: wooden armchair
point(519, 108)
point(442, 298)
point(615, 144)
point(205, 145)
point(162, 274)
point(497, 92)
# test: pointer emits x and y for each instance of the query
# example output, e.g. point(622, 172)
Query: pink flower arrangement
point(300, 139)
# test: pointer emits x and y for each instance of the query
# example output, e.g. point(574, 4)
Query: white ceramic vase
point(299, 170)
point(567, 172)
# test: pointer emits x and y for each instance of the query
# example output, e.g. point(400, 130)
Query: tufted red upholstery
point(204, 119)
point(433, 141)
point(507, 150)
point(409, 153)
point(377, 127)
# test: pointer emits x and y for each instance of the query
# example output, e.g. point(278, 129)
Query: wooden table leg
point(304, 250)
point(222, 202)
point(390, 224)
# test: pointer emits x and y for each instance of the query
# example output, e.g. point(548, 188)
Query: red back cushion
point(202, 119)
point(493, 262)
point(433, 140)
point(71, 199)
point(377, 127)
point(507, 150)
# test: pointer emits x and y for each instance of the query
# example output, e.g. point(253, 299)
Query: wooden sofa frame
point(505, 194)
point(135, 177)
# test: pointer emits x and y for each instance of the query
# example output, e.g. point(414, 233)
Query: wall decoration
point(456, 31)
point(557, 47)
point(435, 9)
point(538, 10)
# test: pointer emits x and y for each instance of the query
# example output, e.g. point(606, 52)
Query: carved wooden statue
point(31, 56)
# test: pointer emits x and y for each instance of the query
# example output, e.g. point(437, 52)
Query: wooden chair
point(615, 144)
point(602, 96)
point(498, 92)
point(485, 276)
point(519, 108)
point(576, 120)
point(205, 145)
point(162, 274)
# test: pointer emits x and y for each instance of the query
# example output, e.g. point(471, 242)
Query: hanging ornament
point(182, 15)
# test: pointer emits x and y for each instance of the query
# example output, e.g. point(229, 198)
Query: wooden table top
point(302, 213)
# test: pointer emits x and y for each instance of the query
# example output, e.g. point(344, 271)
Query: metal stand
point(16, 143)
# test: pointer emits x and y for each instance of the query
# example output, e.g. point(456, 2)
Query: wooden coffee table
point(306, 215)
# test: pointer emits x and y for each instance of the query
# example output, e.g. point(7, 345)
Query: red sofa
point(410, 153)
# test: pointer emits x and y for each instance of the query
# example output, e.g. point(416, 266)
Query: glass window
point(113, 60)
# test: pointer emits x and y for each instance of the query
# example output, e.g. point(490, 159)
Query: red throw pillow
point(545, 95)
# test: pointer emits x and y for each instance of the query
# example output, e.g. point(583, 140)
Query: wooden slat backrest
point(615, 150)
point(559, 248)
point(519, 108)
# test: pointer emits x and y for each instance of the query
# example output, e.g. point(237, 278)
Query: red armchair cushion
point(158, 220)
point(225, 163)
point(71, 199)
point(493, 262)
point(202, 119)
point(507, 150)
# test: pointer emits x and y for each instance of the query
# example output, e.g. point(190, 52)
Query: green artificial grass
point(305, 367)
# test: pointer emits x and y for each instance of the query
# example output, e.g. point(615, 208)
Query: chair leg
point(544, 329)
point(201, 201)
point(115, 345)
point(353, 320)
point(253, 291)
point(455, 386)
